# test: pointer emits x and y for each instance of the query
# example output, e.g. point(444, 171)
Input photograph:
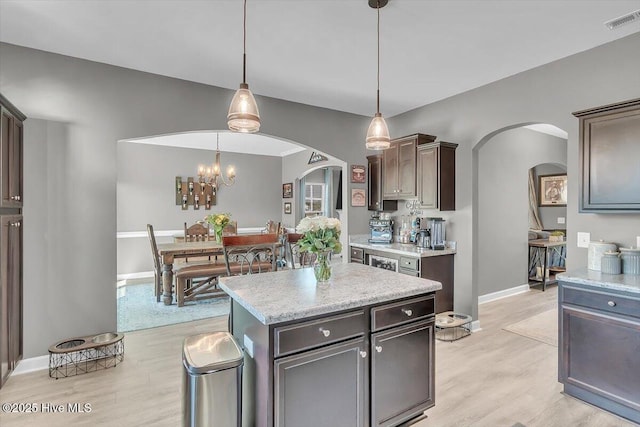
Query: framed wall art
point(553, 190)
point(358, 174)
point(358, 197)
point(287, 207)
point(287, 190)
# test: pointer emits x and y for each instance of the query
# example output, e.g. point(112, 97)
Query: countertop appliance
point(437, 229)
point(381, 230)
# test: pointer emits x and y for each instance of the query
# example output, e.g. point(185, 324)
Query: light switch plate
point(248, 346)
point(583, 239)
point(637, 241)
point(560, 220)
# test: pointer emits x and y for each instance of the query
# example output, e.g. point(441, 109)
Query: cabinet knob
point(18, 198)
point(363, 354)
point(611, 303)
point(325, 332)
point(379, 348)
point(407, 311)
point(377, 203)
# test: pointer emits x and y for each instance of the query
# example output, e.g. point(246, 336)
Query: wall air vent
point(623, 20)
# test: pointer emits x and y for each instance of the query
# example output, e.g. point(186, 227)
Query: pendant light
point(378, 133)
point(243, 112)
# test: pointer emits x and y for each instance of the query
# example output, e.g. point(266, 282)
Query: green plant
point(320, 234)
point(218, 221)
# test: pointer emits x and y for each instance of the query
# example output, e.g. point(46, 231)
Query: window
point(314, 199)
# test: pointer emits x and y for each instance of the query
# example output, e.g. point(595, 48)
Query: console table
point(539, 253)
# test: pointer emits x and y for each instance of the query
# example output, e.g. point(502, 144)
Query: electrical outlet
point(583, 239)
point(248, 346)
point(560, 220)
point(637, 241)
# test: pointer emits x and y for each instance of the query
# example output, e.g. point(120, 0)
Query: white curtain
point(534, 218)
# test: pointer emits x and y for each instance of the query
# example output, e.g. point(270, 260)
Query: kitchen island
point(357, 351)
point(599, 340)
point(411, 260)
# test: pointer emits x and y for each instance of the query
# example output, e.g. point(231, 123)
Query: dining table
point(168, 252)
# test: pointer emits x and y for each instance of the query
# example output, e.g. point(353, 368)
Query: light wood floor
point(491, 378)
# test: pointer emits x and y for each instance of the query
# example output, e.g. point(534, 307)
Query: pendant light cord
point(244, 43)
point(378, 91)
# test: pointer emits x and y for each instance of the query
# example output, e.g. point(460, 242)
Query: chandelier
point(210, 175)
point(243, 112)
point(378, 133)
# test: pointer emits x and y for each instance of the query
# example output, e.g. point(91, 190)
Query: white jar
point(611, 263)
point(596, 250)
point(630, 260)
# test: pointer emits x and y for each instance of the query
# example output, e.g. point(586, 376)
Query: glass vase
point(322, 267)
point(218, 235)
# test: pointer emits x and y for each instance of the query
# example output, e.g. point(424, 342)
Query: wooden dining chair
point(250, 254)
point(196, 232)
point(296, 258)
point(157, 265)
point(231, 229)
point(273, 227)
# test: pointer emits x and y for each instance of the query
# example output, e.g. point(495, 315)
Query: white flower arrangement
point(320, 234)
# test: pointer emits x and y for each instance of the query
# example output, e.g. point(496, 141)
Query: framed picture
point(287, 190)
point(287, 207)
point(358, 197)
point(358, 174)
point(553, 190)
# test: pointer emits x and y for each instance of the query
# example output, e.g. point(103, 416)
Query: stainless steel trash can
point(212, 381)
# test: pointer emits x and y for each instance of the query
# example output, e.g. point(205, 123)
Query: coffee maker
point(437, 232)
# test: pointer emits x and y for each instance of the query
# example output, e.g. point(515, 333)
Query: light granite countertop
point(405, 249)
point(287, 295)
point(619, 282)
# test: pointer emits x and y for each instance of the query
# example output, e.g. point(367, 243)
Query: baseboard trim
point(31, 364)
point(132, 277)
point(475, 326)
point(503, 294)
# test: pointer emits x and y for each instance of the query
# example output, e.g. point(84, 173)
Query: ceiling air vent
point(623, 20)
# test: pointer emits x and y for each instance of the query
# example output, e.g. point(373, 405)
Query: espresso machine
point(437, 233)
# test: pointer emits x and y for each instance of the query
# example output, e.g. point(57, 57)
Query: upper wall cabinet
point(610, 158)
point(10, 155)
point(399, 162)
point(374, 184)
point(437, 176)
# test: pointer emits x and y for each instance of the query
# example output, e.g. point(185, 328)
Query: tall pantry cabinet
point(11, 295)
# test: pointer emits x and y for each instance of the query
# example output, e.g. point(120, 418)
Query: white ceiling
point(229, 142)
point(321, 52)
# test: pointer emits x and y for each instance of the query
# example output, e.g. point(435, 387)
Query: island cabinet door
point(402, 373)
point(323, 387)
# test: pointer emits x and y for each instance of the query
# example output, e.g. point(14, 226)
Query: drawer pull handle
point(325, 332)
point(407, 311)
point(379, 348)
point(611, 303)
point(363, 354)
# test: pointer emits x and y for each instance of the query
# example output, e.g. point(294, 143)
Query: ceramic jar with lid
point(630, 260)
point(611, 263)
point(596, 250)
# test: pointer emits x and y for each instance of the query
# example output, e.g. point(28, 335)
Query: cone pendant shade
point(378, 134)
point(243, 112)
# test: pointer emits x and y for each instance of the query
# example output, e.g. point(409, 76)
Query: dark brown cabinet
point(10, 294)
point(599, 333)
point(375, 168)
point(609, 153)
point(11, 137)
point(399, 161)
point(437, 176)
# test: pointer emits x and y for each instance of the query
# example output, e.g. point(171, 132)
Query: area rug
point(138, 309)
point(542, 327)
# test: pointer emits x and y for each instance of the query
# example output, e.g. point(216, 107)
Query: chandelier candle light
point(211, 175)
point(378, 132)
point(321, 237)
point(243, 112)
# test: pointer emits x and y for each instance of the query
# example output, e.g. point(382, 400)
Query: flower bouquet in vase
point(321, 237)
point(218, 222)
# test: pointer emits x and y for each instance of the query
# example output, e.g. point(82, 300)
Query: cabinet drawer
point(628, 306)
point(315, 333)
point(398, 313)
point(409, 263)
point(357, 255)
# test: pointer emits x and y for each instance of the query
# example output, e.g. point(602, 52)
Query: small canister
point(611, 263)
point(630, 260)
point(596, 250)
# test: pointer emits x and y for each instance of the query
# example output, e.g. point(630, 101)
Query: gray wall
point(547, 94)
point(147, 194)
point(549, 214)
point(100, 104)
point(503, 203)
